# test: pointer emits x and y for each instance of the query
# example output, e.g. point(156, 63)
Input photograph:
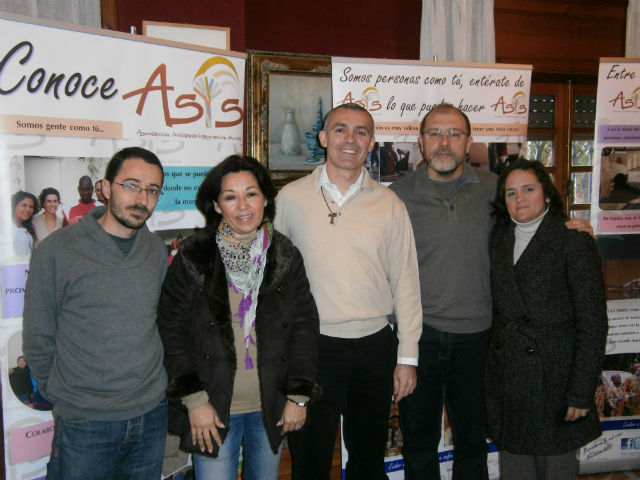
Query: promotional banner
point(77, 97)
point(70, 98)
point(398, 94)
point(615, 188)
point(615, 215)
point(618, 393)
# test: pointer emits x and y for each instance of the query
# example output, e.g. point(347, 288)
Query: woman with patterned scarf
point(239, 327)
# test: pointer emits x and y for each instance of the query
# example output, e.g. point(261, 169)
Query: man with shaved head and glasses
point(449, 205)
point(90, 334)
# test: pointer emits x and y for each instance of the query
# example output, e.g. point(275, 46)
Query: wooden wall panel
point(560, 37)
point(564, 38)
point(358, 28)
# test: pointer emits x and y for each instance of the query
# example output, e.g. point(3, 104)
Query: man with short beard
point(90, 334)
point(448, 203)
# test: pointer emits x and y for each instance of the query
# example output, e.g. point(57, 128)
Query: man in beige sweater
point(357, 242)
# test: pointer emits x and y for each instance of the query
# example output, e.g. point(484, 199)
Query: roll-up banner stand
point(70, 98)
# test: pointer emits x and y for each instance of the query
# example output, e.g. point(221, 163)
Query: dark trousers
point(450, 368)
point(356, 376)
point(538, 467)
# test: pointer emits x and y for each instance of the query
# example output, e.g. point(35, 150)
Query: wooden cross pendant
point(332, 216)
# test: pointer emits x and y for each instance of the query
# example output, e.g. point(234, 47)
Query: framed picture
point(288, 95)
point(204, 35)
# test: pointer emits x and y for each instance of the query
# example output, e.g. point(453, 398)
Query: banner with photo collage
point(70, 97)
point(398, 93)
point(615, 215)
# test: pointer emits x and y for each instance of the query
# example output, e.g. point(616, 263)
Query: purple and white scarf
point(244, 266)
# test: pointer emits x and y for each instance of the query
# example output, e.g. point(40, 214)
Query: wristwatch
point(300, 404)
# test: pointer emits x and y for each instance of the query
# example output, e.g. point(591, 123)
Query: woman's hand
point(204, 423)
point(293, 418)
point(574, 414)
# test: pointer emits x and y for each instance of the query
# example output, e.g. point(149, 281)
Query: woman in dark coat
point(239, 327)
point(549, 330)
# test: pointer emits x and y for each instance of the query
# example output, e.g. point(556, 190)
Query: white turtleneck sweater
point(524, 234)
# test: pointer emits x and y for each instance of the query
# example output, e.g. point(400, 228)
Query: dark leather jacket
point(194, 321)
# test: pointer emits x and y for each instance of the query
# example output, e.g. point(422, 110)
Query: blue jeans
point(109, 450)
point(356, 376)
point(258, 460)
point(450, 369)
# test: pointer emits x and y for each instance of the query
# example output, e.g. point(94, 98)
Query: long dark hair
point(549, 190)
point(16, 198)
point(210, 188)
point(45, 193)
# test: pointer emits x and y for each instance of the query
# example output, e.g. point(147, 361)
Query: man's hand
point(293, 418)
point(404, 381)
point(581, 225)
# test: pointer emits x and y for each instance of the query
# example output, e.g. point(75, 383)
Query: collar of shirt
point(338, 197)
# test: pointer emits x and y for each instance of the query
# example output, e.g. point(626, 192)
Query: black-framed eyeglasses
point(135, 189)
point(451, 133)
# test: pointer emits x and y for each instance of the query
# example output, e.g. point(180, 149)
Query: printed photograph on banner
point(479, 155)
point(620, 178)
point(394, 159)
point(394, 437)
point(23, 386)
point(500, 155)
point(59, 191)
point(49, 193)
point(621, 266)
point(447, 435)
point(618, 393)
point(372, 164)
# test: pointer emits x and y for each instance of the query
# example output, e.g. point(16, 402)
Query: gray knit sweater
point(452, 240)
point(90, 335)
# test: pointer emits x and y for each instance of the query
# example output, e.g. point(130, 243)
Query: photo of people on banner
point(620, 178)
point(618, 393)
point(57, 192)
point(22, 383)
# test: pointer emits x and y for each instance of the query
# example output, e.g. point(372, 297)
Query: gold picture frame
point(277, 82)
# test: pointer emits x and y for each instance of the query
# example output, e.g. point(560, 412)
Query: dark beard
point(130, 222)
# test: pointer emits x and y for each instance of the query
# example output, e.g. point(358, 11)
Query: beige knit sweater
point(363, 267)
